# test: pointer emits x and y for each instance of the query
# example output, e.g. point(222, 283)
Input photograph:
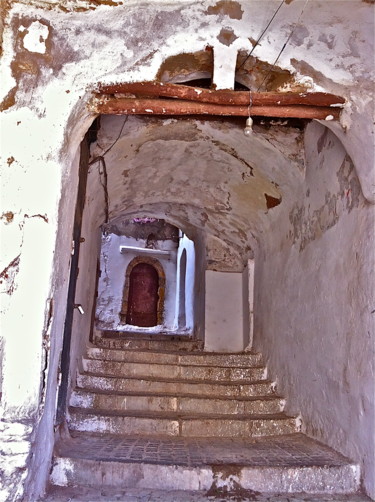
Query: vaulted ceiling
point(201, 175)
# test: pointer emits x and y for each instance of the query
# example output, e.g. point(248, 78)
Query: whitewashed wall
point(314, 302)
point(113, 266)
point(52, 59)
point(227, 311)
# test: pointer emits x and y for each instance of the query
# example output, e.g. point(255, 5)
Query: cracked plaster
point(44, 97)
point(188, 168)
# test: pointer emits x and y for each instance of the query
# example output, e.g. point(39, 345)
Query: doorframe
point(161, 291)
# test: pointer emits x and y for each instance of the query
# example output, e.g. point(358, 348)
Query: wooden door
point(143, 296)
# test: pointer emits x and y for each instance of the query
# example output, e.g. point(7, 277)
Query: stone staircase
point(158, 412)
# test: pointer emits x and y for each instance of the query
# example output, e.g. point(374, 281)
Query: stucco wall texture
point(314, 302)
point(313, 253)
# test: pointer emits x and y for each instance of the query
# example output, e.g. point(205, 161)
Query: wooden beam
point(130, 106)
point(222, 97)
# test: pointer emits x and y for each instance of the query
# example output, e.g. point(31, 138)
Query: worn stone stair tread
point(145, 357)
point(149, 336)
point(185, 353)
point(203, 420)
point(108, 494)
point(195, 366)
point(295, 449)
point(124, 340)
point(196, 353)
point(82, 398)
point(176, 415)
point(171, 387)
point(273, 397)
point(301, 464)
point(183, 381)
point(174, 371)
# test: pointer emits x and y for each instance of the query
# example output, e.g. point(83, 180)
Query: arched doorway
point(144, 293)
point(143, 296)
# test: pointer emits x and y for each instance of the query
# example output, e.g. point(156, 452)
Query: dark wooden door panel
point(143, 296)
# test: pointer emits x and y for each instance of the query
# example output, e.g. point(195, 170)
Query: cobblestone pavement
point(137, 495)
point(287, 450)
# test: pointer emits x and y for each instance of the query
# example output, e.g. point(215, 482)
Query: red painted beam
point(221, 97)
point(130, 106)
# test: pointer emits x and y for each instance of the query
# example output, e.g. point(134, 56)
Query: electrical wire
point(283, 47)
point(104, 173)
point(261, 35)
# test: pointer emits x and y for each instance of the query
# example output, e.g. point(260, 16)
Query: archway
point(144, 292)
point(143, 296)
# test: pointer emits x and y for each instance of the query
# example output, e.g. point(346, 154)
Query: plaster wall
point(314, 302)
point(113, 266)
point(227, 312)
point(83, 328)
point(54, 53)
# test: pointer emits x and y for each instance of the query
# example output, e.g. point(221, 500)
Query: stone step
point(152, 342)
point(173, 371)
point(175, 424)
point(279, 464)
point(171, 387)
point(243, 360)
point(174, 403)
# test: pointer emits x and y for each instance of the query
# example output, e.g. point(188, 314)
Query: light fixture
point(248, 131)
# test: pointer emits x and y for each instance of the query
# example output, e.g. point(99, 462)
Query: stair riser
point(182, 427)
point(93, 382)
point(174, 404)
point(124, 425)
point(139, 370)
point(313, 480)
point(134, 344)
point(203, 359)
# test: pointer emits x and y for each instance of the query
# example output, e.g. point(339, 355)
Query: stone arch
point(161, 288)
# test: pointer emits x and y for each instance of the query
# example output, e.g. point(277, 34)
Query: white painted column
point(250, 282)
point(227, 311)
point(225, 59)
point(189, 283)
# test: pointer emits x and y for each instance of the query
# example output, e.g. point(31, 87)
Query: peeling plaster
point(324, 224)
point(191, 162)
point(8, 275)
point(43, 124)
point(227, 36)
point(35, 38)
point(226, 8)
point(307, 224)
